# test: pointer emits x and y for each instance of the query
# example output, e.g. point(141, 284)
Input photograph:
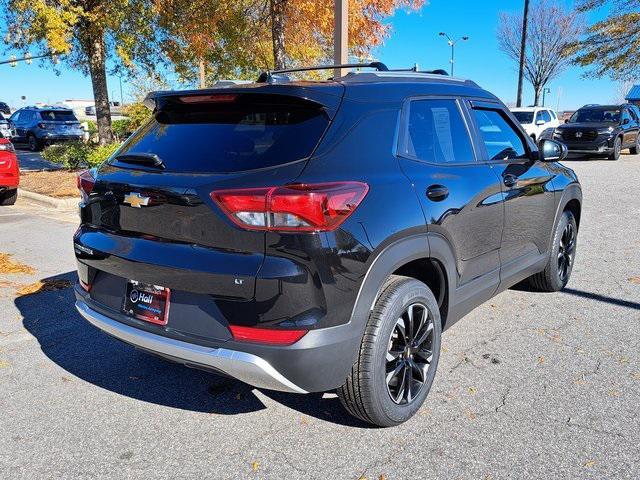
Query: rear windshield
point(524, 117)
point(57, 115)
point(230, 136)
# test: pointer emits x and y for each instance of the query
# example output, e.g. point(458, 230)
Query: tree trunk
point(537, 90)
point(277, 8)
point(95, 50)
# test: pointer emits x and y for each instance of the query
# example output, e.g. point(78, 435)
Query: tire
point(562, 256)
point(368, 394)
point(636, 148)
point(9, 197)
point(617, 149)
point(34, 144)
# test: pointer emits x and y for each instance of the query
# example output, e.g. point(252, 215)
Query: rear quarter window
point(244, 134)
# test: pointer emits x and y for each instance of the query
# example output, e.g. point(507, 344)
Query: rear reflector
point(85, 286)
point(292, 208)
point(266, 335)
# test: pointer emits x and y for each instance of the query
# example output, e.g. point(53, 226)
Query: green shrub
point(138, 115)
point(74, 155)
point(121, 128)
point(100, 153)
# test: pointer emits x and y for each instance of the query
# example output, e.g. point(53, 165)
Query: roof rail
point(437, 71)
point(273, 75)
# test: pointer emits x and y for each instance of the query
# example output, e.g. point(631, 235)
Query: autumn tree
point(302, 30)
point(612, 46)
point(88, 34)
point(551, 35)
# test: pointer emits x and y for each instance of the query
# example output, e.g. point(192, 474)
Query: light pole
point(523, 46)
point(452, 44)
point(545, 90)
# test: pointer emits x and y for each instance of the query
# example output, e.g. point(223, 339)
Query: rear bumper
point(319, 362)
point(243, 366)
point(9, 181)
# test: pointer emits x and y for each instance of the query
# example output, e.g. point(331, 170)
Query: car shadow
point(84, 351)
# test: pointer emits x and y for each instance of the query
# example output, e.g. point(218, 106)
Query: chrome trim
point(243, 366)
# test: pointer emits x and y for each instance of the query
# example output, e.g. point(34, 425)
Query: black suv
point(602, 130)
point(40, 126)
point(310, 236)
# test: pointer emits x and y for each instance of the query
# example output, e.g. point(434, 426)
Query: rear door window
point(244, 133)
point(435, 132)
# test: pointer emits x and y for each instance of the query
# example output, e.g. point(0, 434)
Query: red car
point(9, 173)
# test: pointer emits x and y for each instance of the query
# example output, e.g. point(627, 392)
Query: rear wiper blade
point(146, 159)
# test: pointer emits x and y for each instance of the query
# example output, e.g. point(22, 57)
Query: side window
point(633, 114)
point(500, 138)
point(553, 115)
point(15, 117)
point(625, 115)
point(539, 116)
point(435, 132)
point(545, 116)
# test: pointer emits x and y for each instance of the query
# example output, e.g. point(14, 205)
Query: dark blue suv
point(313, 236)
point(40, 126)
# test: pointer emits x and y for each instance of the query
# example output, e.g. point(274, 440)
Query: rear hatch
point(150, 216)
point(60, 122)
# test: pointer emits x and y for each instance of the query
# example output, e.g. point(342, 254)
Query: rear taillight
point(85, 181)
point(44, 126)
point(292, 208)
point(266, 336)
point(6, 145)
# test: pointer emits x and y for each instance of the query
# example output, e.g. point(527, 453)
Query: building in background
point(634, 95)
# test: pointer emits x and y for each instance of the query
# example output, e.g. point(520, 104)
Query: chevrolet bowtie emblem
point(136, 200)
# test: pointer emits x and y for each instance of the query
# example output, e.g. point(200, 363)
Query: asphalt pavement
point(530, 385)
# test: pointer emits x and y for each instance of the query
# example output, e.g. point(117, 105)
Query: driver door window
point(500, 139)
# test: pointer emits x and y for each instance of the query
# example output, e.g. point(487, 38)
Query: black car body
point(276, 212)
point(40, 126)
point(602, 130)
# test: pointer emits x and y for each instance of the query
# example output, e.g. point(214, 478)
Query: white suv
point(536, 120)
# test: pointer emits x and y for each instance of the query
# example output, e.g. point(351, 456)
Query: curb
point(57, 203)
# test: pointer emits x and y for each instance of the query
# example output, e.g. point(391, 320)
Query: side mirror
point(566, 120)
point(540, 122)
point(552, 151)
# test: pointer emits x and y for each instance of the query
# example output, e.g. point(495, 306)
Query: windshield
point(524, 117)
point(230, 137)
point(596, 115)
point(58, 115)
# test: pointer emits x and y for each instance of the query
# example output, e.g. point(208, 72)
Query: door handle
point(437, 193)
point(510, 180)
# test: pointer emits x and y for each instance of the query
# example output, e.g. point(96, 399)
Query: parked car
point(318, 236)
point(9, 173)
point(536, 120)
point(39, 126)
point(5, 130)
point(115, 108)
point(602, 130)
point(4, 108)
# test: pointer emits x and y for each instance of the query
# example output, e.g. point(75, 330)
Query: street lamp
point(544, 94)
point(452, 44)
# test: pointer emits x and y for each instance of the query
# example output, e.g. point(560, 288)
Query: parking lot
point(530, 385)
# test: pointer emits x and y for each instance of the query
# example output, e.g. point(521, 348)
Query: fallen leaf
point(4, 364)
point(473, 390)
point(590, 463)
point(65, 379)
point(540, 359)
point(636, 376)
point(304, 421)
point(635, 280)
point(470, 415)
point(255, 466)
point(382, 477)
point(44, 286)
point(7, 265)
point(615, 393)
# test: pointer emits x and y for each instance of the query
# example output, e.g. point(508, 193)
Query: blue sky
point(414, 38)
